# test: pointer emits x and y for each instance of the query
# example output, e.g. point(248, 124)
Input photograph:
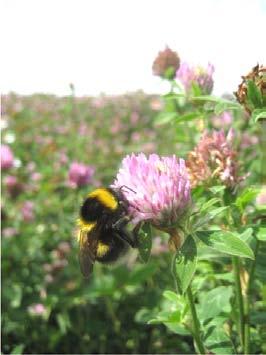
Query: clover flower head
point(80, 174)
point(157, 189)
point(203, 77)
point(214, 159)
point(256, 77)
point(166, 60)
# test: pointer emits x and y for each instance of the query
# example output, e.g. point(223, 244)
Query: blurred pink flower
point(63, 159)
point(157, 188)
point(134, 117)
point(223, 120)
point(83, 129)
point(158, 246)
point(31, 166)
point(136, 137)
point(36, 176)
point(261, 198)
point(156, 105)
point(7, 157)
point(37, 309)
point(80, 174)
point(199, 75)
point(248, 140)
point(13, 186)
point(9, 232)
point(27, 211)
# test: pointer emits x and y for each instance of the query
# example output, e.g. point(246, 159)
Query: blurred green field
point(104, 314)
point(47, 306)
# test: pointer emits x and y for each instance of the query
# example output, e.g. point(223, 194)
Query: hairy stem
point(239, 299)
point(196, 324)
point(195, 332)
point(263, 150)
point(247, 300)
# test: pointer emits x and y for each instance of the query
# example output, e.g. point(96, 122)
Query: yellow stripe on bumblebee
point(102, 249)
point(105, 197)
point(84, 227)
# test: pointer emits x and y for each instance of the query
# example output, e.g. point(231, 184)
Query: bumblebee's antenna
point(121, 187)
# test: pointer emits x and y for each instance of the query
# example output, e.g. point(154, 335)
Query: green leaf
point(262, 234)
point(17, 296)
point(209, 203)
point(211, 215)
point(176, 328)
point(165, 117)
point(145, 242)
point(217, 341)
point(215, 302)
point(188, 117)
point(217, 189)
point(196, 90)
point(226, 242)
point(246, 236)
point(218, 100)
point(254, 95)
point(185, 263)
point(258, 114)
point(141, 273)
point(220, 108)
point(171, 296)
point(63, 322)
point(172, 96)
point(217, 211)
point(18, 349)
point(247, 196)
point(172, 320)
point(169, 73)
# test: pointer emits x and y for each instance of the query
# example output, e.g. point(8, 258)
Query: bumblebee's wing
point(87, 251)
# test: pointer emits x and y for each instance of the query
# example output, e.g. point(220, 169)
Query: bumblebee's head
point(102, 201)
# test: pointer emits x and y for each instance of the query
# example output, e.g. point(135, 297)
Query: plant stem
point(239, 298)
point(263, 150)
point(196, 324)
point(247, 301)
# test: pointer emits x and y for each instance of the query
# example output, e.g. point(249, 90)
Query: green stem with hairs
point(247, 301)
point(196, 323)
point(239, 299)
point(195, 331)
point(263, 150)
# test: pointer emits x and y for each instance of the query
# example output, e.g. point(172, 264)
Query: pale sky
point(109, 45)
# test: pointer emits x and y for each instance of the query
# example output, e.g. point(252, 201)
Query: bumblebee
point(102, 233)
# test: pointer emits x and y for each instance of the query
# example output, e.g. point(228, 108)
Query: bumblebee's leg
point(122, 222)
point(130, 237)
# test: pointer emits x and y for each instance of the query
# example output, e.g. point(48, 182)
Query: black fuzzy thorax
point(93, 210)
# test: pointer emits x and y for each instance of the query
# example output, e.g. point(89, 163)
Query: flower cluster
point(166, 64)
point(213, 158)
point(203, 77)
point(157, 188)
point(257, 76)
